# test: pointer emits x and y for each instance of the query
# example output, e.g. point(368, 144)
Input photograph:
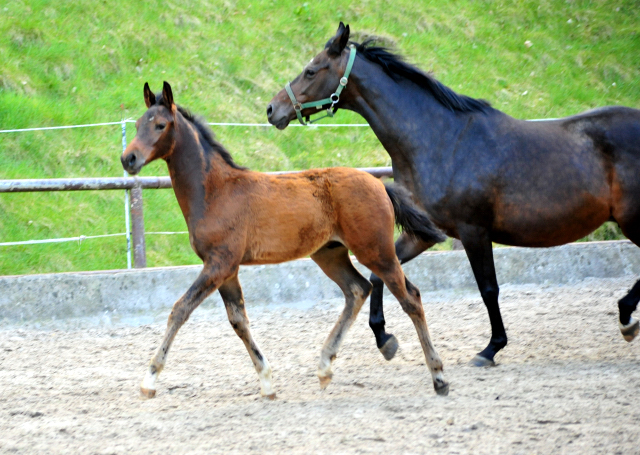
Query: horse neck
point(193, 172)
point(409, 122)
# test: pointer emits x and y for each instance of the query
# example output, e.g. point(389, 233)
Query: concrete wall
point(150, 292)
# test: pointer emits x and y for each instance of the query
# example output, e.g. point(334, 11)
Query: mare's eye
point(160, 126)
point(309, 73)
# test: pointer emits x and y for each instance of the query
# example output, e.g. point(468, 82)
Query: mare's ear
point(339, 41)
point(149, 97)
point(167, 96)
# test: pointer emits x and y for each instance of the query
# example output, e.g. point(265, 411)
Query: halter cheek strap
point(331, 101)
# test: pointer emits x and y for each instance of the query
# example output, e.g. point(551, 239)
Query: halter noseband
point(331, 101)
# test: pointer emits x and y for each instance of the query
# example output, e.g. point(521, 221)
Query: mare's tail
point(413, 220)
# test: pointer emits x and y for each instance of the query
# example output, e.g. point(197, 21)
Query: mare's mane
point(395, 66)
point(209, 143)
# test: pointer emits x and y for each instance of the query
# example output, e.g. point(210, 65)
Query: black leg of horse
point(477, 245)
point(407, 248)
point(630, 326)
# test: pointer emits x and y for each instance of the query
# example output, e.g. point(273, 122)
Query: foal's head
point(318, 80)
point(155, 135)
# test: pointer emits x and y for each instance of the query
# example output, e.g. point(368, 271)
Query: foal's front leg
point(231, 293)
point(207, 282)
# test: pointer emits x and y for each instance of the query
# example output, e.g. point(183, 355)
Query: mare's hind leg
point(231, 293)
point(629, 326)
point(336, 264)
point(407, 248)
point(207, 282)
point(409, 297)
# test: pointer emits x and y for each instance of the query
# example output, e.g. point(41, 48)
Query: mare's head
point(155, 131)
point(318, 80)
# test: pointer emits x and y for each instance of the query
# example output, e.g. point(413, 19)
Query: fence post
point(137, 224)
point(127, 196)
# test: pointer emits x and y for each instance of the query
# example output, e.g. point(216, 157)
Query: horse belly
point(287, 234)
point(552, 224)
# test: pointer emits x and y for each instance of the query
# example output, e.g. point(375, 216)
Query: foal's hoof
point(441, 389)
point(390, 348)
point(147, 393)
point(479, 361)
point(630, 331)
point(325, 380)
point(271, 396)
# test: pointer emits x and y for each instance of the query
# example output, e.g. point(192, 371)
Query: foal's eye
point(309, 73)
point(160, 126)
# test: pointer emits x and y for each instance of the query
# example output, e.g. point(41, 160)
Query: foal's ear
point(149, 97)
point(167, 95)
point(339, 41)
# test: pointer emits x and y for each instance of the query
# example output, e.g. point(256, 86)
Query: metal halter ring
point(334, 98)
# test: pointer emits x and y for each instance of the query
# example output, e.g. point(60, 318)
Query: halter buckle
point(343, 81)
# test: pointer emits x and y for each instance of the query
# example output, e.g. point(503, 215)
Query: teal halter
point(332, 100)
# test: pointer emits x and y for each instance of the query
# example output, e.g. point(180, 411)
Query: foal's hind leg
point(409, 297)
point(336, 264)
point(205, 284)
point(407, 248)
point(231, 293)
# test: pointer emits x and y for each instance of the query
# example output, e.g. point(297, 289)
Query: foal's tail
point(413, 220)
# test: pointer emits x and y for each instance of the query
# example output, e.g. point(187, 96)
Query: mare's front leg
point(231, 293)
point(407, 248)
point(206, 283)
point(336, 264)
point(478, 247)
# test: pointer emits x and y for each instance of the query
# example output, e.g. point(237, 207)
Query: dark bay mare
point(236, 216)
point(481, 175)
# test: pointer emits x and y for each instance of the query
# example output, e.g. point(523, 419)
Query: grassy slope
point(78, 62)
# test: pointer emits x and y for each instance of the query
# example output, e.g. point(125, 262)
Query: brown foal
point(236, 216)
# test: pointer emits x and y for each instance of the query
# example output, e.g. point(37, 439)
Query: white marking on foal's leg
point(266, 383)
point(325, 374)
point(148, 385)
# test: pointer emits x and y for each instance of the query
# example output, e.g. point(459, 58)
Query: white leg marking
point(149, 381)
point(266, 383)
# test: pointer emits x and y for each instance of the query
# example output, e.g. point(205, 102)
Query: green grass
point(86, 61)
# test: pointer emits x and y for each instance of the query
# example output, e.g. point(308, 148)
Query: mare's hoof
point(325, 380)
point(479, 361)
point(147, 393)
point(271, 396)
point(390, 348)
point(630, 331)
point(441, 389)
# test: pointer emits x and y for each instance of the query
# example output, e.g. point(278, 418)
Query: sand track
point(566, 383)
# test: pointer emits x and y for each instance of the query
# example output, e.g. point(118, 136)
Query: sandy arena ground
point(566, 383)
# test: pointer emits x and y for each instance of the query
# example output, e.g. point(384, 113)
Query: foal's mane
point(395, 66)
point(209, 143)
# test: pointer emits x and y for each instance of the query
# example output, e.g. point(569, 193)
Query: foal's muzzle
point(132, 162)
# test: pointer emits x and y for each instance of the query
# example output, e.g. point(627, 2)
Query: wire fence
point(127, 195)
point(46, 185)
